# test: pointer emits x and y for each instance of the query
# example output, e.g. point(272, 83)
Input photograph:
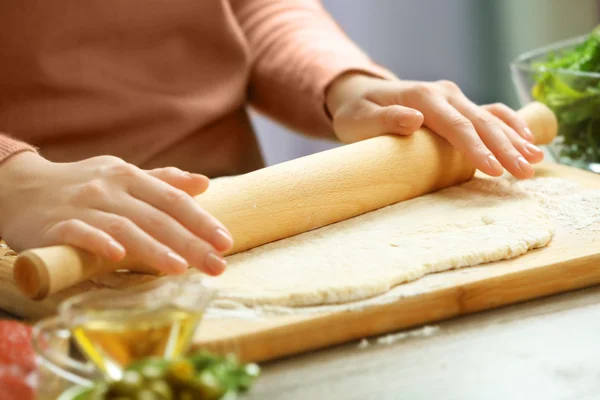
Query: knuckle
point(111, 160)
point(173, 171)
point(460, 123)
point(122, 169)
point(156, 221)
point(371, 93)
point(501, 107)
point(194, 248)
point(387, 116)
point(91, 190)
point(90, 238)
point(358, 111)
point(166, 171)
point(508, 149)
point(67, 229)
point(484, 119)
point(482, 149)
point(105, 164)
point(190, 247)
point(520, 145)
point(448, 85)
point(176, 196)
point(422, 90)
point(118, 226)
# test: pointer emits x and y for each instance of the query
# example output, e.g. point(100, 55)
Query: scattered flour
point(396, 337)
point(421, 332)
point(569, 204)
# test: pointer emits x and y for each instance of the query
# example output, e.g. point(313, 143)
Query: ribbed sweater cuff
point(10, 146)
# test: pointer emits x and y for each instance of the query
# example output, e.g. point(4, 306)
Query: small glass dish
point(113, 329)
point(574, 97)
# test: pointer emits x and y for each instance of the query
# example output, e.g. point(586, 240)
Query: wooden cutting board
point(569, 262)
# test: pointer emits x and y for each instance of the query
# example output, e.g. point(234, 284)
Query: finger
point(370, 120)
point(447, 122)
point(512, 119)
point(192, 184)
point(77, 233)
point(531, 152)
point(137, 242)
point(492, 132)
point(171, 233)
point(181, 206)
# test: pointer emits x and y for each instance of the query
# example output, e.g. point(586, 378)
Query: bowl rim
point(522, 62)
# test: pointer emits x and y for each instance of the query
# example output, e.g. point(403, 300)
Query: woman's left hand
point(492, 137)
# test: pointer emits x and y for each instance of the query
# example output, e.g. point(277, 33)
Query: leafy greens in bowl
point(566, 77)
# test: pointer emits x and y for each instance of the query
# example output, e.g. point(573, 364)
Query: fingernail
point(529, 134)
point(523, 164)
point(532, 149)
point(215, 263)
point(187, 175)
point(115, 250)
point(494, 163)
point(222, 240)
point(176, 262)
point(409, 119)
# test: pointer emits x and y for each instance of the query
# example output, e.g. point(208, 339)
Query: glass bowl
point(95, 334)
point(573, 96)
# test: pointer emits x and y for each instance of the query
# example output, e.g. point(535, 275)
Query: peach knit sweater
point(165, 82)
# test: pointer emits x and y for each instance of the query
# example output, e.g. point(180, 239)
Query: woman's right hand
point(111, 208)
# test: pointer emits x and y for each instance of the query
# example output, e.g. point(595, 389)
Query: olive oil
point(116, 339)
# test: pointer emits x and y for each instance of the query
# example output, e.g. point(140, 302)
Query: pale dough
point(480, 221)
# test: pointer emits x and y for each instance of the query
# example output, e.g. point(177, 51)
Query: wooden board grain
point(570, 261)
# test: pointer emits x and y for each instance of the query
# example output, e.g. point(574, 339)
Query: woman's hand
point(492, 137)
point(111, 208)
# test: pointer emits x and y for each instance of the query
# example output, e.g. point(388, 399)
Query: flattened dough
point(480, 221)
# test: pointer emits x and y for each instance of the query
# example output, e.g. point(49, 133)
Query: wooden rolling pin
point(296, 196)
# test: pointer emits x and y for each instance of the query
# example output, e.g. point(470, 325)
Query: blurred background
point(470, 42)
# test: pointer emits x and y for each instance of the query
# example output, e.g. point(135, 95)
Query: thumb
point(192, 184)
point(374, 120)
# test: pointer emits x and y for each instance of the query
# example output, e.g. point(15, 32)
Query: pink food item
point(15, 345)
point(14, 385)
point(17, 361)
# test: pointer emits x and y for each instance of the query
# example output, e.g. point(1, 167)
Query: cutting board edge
point(441, 304)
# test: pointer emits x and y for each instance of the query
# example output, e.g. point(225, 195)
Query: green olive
point(186, 395)
point(152, 372)
point(180, 372)
point(208, 386)
point(147, 394)
point(129, 385)
point(161, 388)
point(151, 361)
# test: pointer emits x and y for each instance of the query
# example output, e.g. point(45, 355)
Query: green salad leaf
point(574, 97)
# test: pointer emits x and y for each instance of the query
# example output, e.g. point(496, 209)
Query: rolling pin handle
point(31, 276)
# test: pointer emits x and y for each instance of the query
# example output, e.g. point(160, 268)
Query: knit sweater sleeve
point(297, 50)
point(10, 146)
